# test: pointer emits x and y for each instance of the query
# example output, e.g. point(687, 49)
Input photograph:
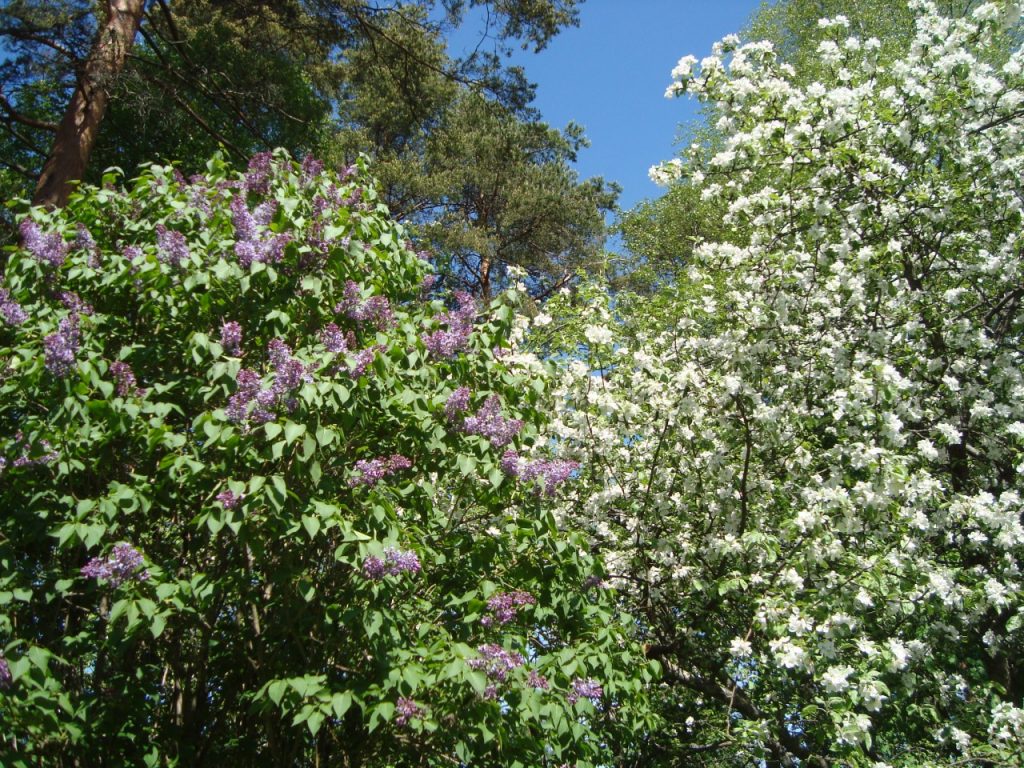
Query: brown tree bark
point(80, 125)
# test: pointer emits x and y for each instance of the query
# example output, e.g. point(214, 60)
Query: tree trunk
point(79, 127)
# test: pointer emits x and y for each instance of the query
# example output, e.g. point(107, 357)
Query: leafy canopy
point(258, 499)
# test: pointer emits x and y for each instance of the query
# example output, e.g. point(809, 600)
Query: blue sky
point(610, 74)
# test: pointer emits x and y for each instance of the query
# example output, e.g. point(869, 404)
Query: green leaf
point(311, 524)
point(292, 431)
point(276, 690)
point(340, 703)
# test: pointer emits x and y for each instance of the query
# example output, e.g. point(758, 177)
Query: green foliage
point(258, 628)
point(457, 150)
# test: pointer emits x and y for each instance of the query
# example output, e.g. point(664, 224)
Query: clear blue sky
point(610, 74)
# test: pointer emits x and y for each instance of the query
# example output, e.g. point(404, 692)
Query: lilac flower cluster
point(6, 679)
point(263, 214)
point(249, 387)
point(60, 348)
point(428, 284)
point(496, 662)
point(251, 246)
point(289, 373)
point(551, 473)
point(375, 310)
point(125, 378)
point(457, 403)
point(311, 168)
point(10, 310)
point(537, 680)
point(373, 471)
point(257, 177)
point(131, 252)
point(243, 220)
point(74, 302)
point(26, 459)
point(229, 499)
point(488, 422)
point(334, 339)
point(85, 242)
point(449, 342)
point(505, 606)
point(395, 561)
point(364, 359)
point(585, 689)
point(171, 247)
point(231, 338)
point(49, 249)
point(123, 564)
point(407, 709)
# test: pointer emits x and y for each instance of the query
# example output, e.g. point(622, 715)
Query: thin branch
point(18, 117)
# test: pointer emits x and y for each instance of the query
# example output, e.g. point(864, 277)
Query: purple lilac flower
point(351, 298)
point(407, 709)
point(245, 224)
point(250, 246)
point(49, 249)
point(10, 310)
point(457, 403)
point(125, 378)
point(488, 422)
point(258, 177)
point(231, 338)
point(131, 252)
point(511, 464)
point(278, 352)
point(593, 582)
point(6, 680)
point(74, 302)
point(311, 168)
point(496, 662)
point(289, 373)
point(447, 343)
point(395, 561)
point(355, 199)
point(428, 283)
point(551, 473)
point(363, 359)
point(262, 251)
point(229, 499)
point(585, 689)
point(264, 212)
point(61, 347)
point(171, 246)
point(402, 561)
point(374, 568)
point(375, 310)
point(333, 339)
point(26, 460)
point(123, 564)
point(372, 471)
point(248, 387)
point(85, 242)
point(538, 681)
point(505, 605)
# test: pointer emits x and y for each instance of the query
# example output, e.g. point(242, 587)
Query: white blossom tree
point(803, 461)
